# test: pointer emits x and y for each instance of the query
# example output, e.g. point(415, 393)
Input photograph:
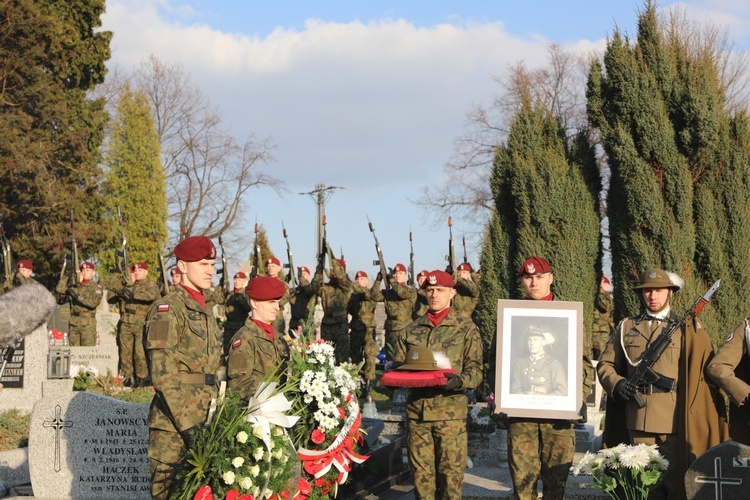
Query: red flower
point(232, 494)
point(318, 436)
point(204, 493)
point(303, 488)
point(245, 496)
point(342, 413)
point(320, 482)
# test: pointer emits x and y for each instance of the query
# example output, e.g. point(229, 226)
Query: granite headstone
point(31, 375)
point(721, 473)
point(85, 445)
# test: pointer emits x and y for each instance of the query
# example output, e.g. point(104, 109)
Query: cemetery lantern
point(58, 363)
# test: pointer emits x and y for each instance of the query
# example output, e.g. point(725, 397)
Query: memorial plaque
point(721, 473)
point(13, 373)
point(85, 445)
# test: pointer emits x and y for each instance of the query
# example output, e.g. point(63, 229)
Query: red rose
point(232, 494)
point(204, 493)
point(318, 436)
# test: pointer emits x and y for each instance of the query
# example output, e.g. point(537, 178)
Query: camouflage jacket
point(84, 299)
point(136, 298)
point(456, 337)
point(301, 301)
point(334, 295)
point(17, 281)
point(467, 295)
point(214, 296)
point(238, 310)
point(422, 305)
point(184, 346)
point(362, 307)
point(253, 355)
point(604, 307)
point(399, 303)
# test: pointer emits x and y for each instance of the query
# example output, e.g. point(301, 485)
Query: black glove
point(189, 435)
point(380, 276)
point(454, 382)
point(71, 293)
point(584, 414)
point(625, 390)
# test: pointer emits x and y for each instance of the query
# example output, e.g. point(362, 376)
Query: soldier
point(399, 300)
point(334, 297)
point(730, 370)
point(175, 273)
point(538, 447)
point(138, 294)
point(603, 322)
point(301, 300)
point(238, 308)
point(84, 297)
point(467, 291)
point(362, 327)
point(683, 422)
point(539, 373)
point(257, 348)
point(24, 270)
point(436, 432)
point(184, 346)
point(421, 305)
point(273, 269)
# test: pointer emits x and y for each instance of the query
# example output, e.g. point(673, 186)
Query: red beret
point(272, 260)
point(606, 280)
point(24, 264)
point(140, 265)
point(195, 248)
point(360, 274)
point(423, 272)
point(438, 278)
point(304, 269)
point(240, 275)
point(265, 288)
point(399, 267)
point(534, 265)
point(341, 262)
point(87, 265)
point(174, 271)
point(464, 266)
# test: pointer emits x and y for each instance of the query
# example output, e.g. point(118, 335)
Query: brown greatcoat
point(730, 370)
point(701, 415)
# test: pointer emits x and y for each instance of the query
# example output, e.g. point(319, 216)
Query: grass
point(14, 429)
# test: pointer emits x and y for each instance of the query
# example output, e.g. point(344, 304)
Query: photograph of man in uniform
point(537, 372)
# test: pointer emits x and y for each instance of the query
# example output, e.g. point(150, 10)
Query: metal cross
point(719, 480)
point(58, 424)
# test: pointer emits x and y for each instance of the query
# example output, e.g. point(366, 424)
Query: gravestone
point(721, 473)
point(30, 376)
point(104, 356)
point(85, 445)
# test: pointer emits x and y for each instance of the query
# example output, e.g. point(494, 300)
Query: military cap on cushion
point(438, 278)
point(265, 288)
point(240, 275)
point(422, 368)
point(87, 265)
point(464, 266)
point(657, 278)
point(399, 267)
point(140, 265)
point(534, 265)
point(195, 248)
point(272, 260)
point(360, 274)
point(174, 271)
point(24, 264)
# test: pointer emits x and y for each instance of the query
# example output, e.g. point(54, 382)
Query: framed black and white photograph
point(539, 354)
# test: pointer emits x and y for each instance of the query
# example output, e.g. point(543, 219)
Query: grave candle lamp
point(58, 363)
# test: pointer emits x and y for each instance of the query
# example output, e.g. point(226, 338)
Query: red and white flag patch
point(162, 308)
point(236, 343)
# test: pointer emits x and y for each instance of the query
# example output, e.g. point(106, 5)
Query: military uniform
point(279, 323)
point(362, 329)
point(603, 322)
point(252, 355)
point(18, 280)
point(238, 310)
point(467, 295)
point(539, 375)
point(84, 299)
point(334, 297)
point(302, 302)
point(137, 299)
point(436, 417)
point(399, 301)
point(421, 305)
point(214, 296)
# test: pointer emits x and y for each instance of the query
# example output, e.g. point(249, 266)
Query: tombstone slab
point(721, 473)
point(32, 374)
point(85, 445)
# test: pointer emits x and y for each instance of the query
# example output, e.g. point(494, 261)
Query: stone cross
point(718, 480)
point(58, 424)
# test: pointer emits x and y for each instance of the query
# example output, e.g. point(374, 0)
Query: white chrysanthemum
point(658, 463)
point(583, 463)
point(634, 457)
point(237, 462)
point(246, 483)
point(258, 453)
point(228, 477)
point(242, 437)
point(254, 470)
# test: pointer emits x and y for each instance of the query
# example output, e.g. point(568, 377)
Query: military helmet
point(657, 278)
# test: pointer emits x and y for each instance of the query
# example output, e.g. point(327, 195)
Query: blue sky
point(366, 95)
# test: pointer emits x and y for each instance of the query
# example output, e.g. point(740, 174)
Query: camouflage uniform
point(362, 337)
point(18, 280)
point(334, 297)
point(252, 355)
point(214, 296)
point(184, 346)
point(238, 310)
point(302, 301)
point(603, 322)
point(137, 301)
point(84, 299)
point(437, 439)
point(421, 305)
point(467, 295)
point(399, 301)
point(279, 323)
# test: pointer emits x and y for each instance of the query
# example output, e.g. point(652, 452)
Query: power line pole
point(320, 196)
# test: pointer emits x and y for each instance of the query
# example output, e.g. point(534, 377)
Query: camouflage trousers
point(338, 334)
point(82, 331)
point(438, 454)
point(131, 351)
point(672, 486)
point(540, 448)
point(165, 449)
point(362, 346)
point(390, 342)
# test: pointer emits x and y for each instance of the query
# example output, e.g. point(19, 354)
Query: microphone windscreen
point(23, 310)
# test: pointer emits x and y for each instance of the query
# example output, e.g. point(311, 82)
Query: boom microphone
point(23, 310)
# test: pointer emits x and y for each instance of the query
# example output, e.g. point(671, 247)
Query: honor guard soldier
point(334, 297)
point(362, 345)
point(24, 270)
point(421, 305)
point(399, 300)
point(467, 291)
point(302, 300)
point(603, 322)
point(85, 296)
point(184, 347)
point(238, 308)
point(273, 269)
point(175, 274)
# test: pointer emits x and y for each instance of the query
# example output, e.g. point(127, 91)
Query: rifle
point(259, 267)
point(162, 279)
point(122, 254)
point(466, 259)
point(7, 256)
point(223, 270)
point(291, 276)
point(643, 373)
point(64, 259)
point(451, 257)
point(412, 280)
point(73, 279)
point(380, 262)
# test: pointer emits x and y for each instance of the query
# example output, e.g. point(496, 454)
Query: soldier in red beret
point(273, 269)
point(237, 307)
point(257, 349)
point(84, 298)
point(603, 318)
point(22, 276)
point(334, 297)
point(301, 300)
point(399, 300)
point(184, 345)
point(362, 345)
point(437, 441)
point(467, 291)
point(420, 305)
point(175, 274)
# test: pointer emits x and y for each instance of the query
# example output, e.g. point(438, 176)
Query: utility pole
point(320, 196)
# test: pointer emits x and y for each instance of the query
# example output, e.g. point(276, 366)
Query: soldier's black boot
point(129, 382)
point(145, 381)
